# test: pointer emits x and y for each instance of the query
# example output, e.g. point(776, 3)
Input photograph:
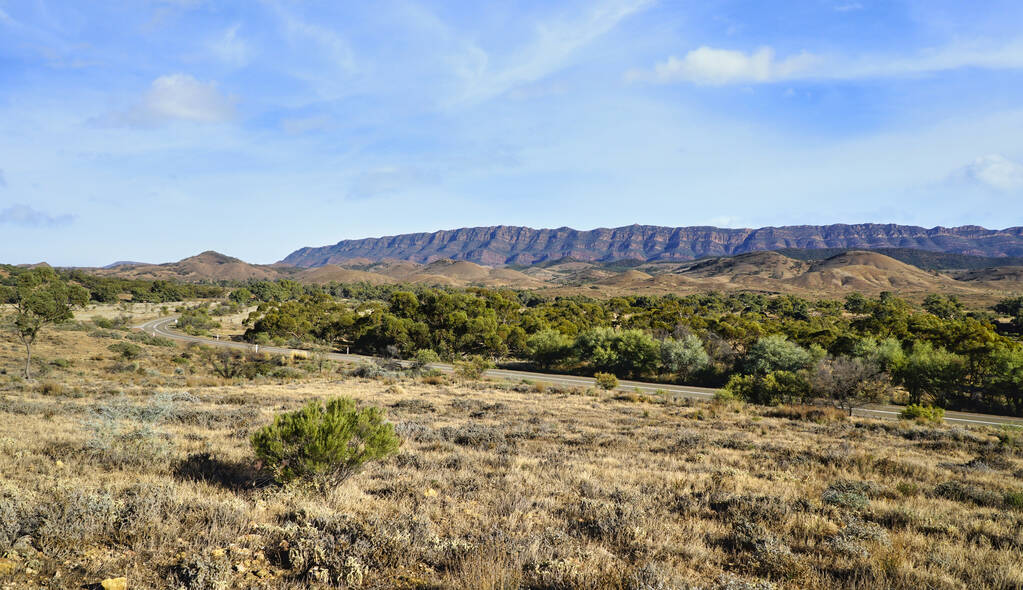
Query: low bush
point(923, 414)
point(424, 357)
point(606, 381)
point(325, 442)
point(473, 367)
point(126, 350)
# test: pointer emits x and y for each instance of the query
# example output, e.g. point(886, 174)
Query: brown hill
point(869, 271)
point(1010, 277)
point(208, 266)
point(332, 273)
point(629, 278)
point(765, 265)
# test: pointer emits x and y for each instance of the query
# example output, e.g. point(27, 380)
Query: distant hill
point(125, 263)
point(208, 266)
point(504, 245)
point(924, 259)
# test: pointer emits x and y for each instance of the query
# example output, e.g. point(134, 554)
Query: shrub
point(424, 357)
point(965, 492)
point(126, 350)
point(329, 442)
point(606, 381)
point(725, 396)
point(848, 494)
point(51, 388)
point(772, 389)
point(473, 368)
point(923, 414)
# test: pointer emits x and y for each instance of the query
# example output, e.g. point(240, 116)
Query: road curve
point(162, 327)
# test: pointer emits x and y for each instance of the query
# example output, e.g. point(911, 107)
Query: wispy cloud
point(336, 47)
point(712, 66)
point(230, 47)
point(995, 171)
point(26, 216)
point(177, 97)
point(389, 180)
point(554, 44)
point(300, 125)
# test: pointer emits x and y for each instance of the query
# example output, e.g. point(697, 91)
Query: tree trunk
point(28, 361)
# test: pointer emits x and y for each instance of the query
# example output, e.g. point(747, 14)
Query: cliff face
point(499, 245)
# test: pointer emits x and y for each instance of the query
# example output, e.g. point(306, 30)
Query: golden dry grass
point(143, 469)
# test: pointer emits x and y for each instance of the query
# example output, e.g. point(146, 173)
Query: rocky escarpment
point(500, 245)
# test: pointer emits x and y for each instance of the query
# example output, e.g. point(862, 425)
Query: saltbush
point(324, 442)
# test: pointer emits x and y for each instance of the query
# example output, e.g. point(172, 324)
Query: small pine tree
point(325, 442)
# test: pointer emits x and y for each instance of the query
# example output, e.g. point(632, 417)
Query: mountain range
point(764, 271)
point(504, 245)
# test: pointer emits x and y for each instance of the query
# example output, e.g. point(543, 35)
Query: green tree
point(41, 298)
point(774, 388)
point(932, 371)
point(776, 353)
point(241, 295)
point(684, 357)
point(946, 307)
point(548, 347)
point(1012, 307)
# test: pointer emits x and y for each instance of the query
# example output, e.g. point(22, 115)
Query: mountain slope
point(500, 245)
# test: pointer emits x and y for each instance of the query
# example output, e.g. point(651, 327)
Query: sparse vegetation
point(152, 475)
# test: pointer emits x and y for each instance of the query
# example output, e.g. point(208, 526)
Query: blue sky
point(153, 129)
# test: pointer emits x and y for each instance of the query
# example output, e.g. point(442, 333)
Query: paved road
point(162, 327)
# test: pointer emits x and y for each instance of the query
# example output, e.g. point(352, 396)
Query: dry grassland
point(142, 468)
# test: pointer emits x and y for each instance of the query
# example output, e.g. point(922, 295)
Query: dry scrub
point(142, 468)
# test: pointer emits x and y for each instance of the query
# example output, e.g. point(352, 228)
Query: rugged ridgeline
point(501, 245)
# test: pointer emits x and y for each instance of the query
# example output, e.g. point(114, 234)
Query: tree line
point(766, 348)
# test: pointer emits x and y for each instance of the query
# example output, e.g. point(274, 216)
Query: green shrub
point(424, 357)
point(126, 350)
point(606, 381)
point(473, 368)
point(1014, 500)
point(327, 442)
point(777, 387)
point(908, 488)
point(725, 396)
point(923, 414)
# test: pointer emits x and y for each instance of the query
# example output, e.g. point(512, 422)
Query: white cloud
point(26, 216)
point(713, 66)
point(230, 48)
point(707, 65)
point(848, 7)
point(177, 97)
point(997, 172)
